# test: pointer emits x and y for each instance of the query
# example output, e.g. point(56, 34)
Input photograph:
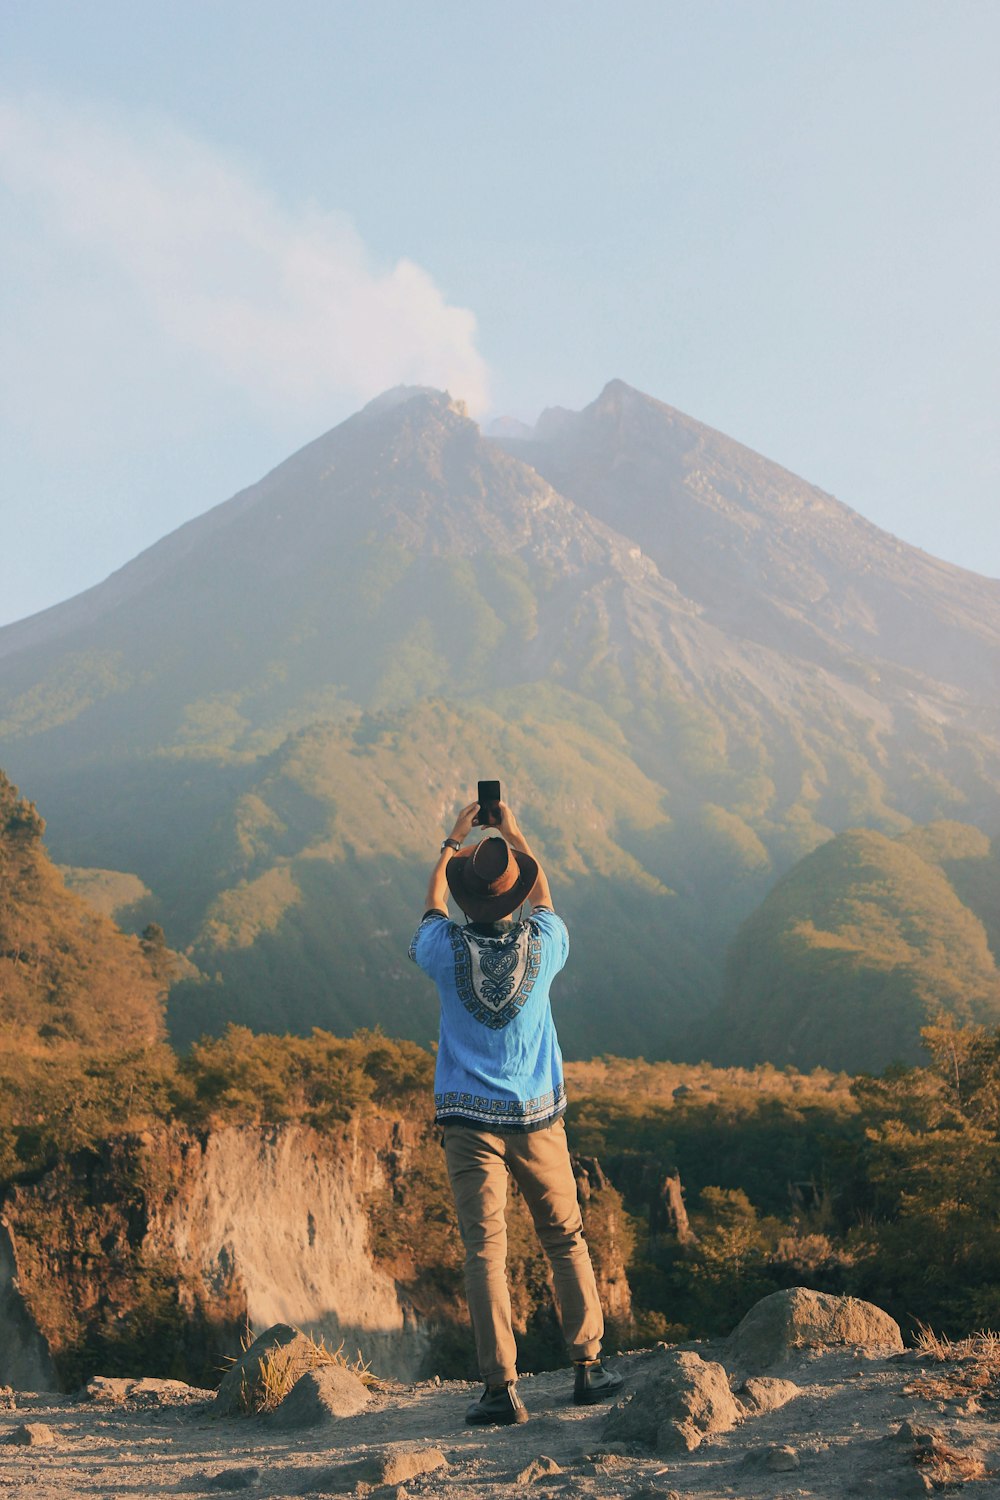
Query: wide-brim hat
point(490, 879)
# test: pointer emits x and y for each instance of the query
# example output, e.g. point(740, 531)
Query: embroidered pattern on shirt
point(510, 1113)
point(495, 976)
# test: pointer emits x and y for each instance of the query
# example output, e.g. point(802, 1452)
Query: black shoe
point(503, 1407)
point(594, 1383)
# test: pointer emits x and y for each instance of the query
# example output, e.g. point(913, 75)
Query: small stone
point(909, 1485)
point(909, 1432)
point(234, 1479)
point(762, 1393)
point(7, 1401)
point(32, 1435)
point(778, 1459)
point(394, 1466)
point(152, 1392)
point(539, 1468)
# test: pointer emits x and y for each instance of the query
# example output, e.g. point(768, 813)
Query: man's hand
point(463, 823)
point(508, 827)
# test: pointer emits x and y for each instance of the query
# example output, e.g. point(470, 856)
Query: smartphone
point(488, 796)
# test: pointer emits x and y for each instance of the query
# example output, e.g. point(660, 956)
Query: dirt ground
point(835, 1439)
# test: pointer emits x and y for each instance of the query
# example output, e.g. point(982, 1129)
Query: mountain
point(768, 557)
point(688, 668)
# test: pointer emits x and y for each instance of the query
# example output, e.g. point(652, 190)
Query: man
point(499, 1095)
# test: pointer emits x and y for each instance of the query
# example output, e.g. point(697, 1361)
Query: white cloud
point(285, 308)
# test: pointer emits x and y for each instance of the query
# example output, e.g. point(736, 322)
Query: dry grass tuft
point(278, 1370)
point(974, 1373)
point(984, 1345)
point(946, 1466)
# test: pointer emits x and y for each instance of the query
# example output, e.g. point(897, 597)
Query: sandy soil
point(839, 1430)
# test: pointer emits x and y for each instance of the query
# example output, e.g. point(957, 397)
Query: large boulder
point(271, 1365)
point(319, 1396)
point(778, 1327)
point(683, 1399)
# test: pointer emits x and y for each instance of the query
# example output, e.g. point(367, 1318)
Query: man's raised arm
point(539, 895)
point(437, 886)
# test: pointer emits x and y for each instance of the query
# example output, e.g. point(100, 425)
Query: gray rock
point(33, 1435)
point(398, 1463)
point(779, 1459)
point(779, 1325)
point(682, 1400)
point(290, 1352)
point(913, 1435)
point(386, 1469)
point(761, 1393)
point(900, 1484)
point(107, 1388)
point(322, 1395)
point(539, 1468)
point(151, 1392)
point(117, 1390)
point(234, 1479)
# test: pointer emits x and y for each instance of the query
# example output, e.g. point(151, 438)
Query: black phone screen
point(488, 796)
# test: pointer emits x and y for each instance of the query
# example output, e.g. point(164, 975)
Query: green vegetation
point(76, 1099)
point(886, 1188)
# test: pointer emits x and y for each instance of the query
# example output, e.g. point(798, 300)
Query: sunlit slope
point(67, 975)
point(270, 716)
point(773, 559)
point(861, 944)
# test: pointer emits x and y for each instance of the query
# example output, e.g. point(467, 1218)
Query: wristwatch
point(450, 844)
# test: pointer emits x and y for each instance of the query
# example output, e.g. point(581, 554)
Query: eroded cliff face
point(274, 1223)
point(25, 1361)
point(152, 1255)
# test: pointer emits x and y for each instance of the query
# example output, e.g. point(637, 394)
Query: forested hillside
point(863, 943)
point(68, 976)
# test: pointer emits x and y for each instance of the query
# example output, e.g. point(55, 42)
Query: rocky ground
point(852, 1420)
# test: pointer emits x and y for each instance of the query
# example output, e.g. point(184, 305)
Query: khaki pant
point(538, 1161)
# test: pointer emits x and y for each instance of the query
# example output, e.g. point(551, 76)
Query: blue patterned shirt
point(498, 1063)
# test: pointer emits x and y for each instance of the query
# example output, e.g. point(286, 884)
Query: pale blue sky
point(223, 226)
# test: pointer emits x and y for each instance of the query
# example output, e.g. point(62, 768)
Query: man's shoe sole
point(594, 1398)
point(514, 1420)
